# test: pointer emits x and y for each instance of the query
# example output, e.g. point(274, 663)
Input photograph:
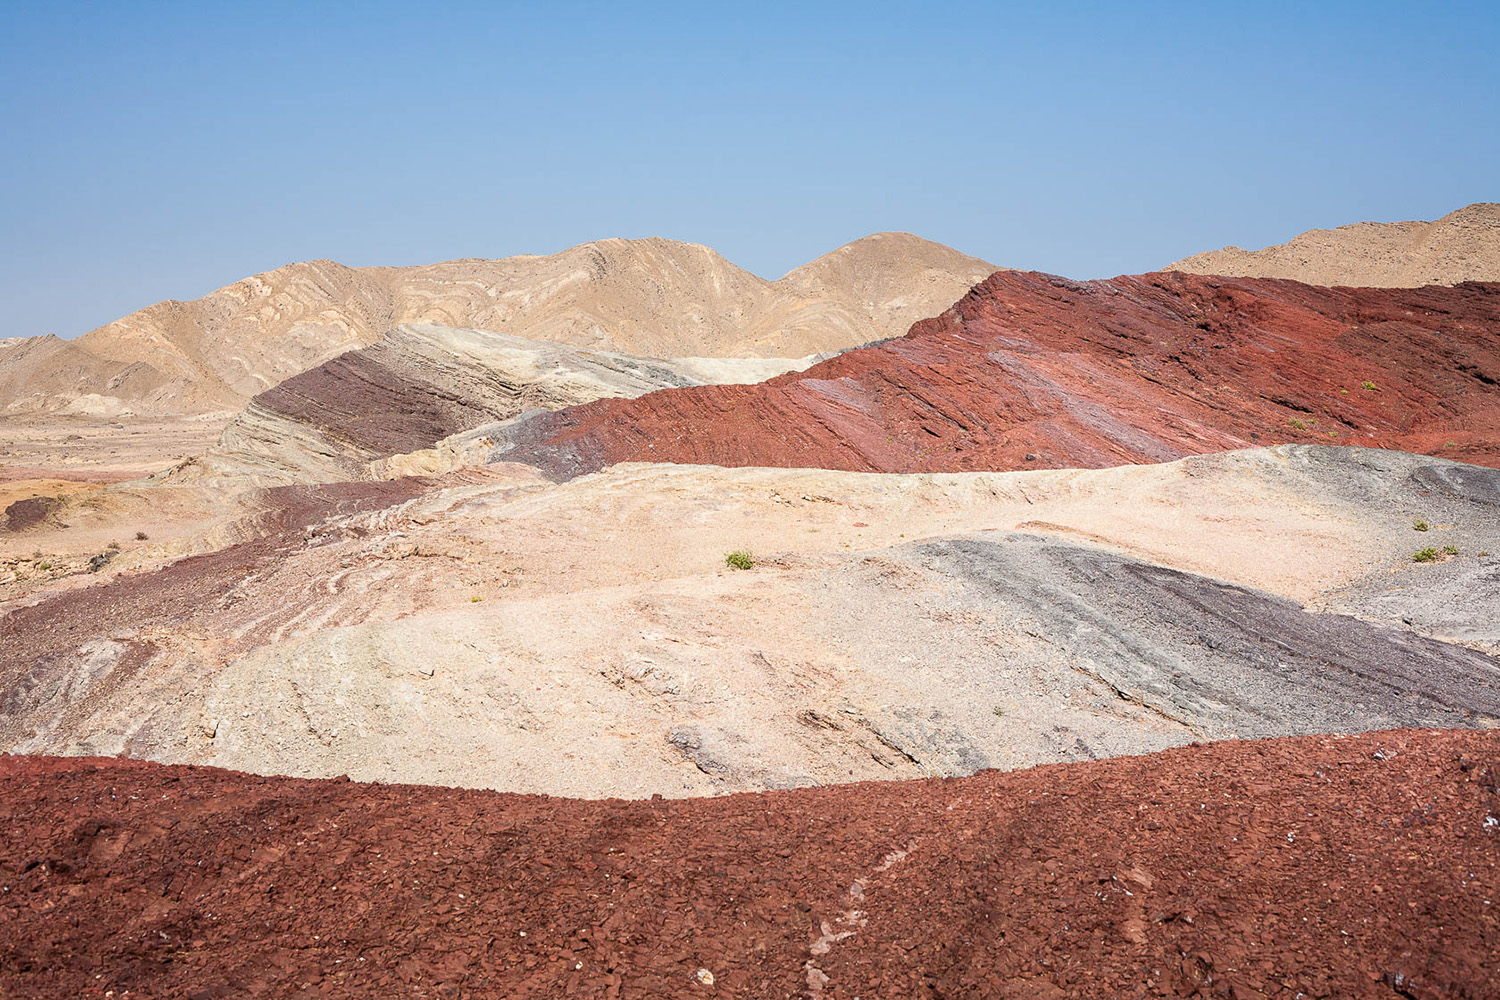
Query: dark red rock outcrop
point(361, 399)
point(1307, 867)
point(1035, 371)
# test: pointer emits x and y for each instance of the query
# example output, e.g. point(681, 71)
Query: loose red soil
point(1305, 867)
point(1034, 371)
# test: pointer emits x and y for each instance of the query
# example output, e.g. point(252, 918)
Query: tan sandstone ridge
point(1461, 246)
point(652, 297)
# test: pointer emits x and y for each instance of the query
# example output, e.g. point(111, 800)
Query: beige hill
point(652, 297)
point(1461, 246)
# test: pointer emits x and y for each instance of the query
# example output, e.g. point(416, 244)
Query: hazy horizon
point(164, 152)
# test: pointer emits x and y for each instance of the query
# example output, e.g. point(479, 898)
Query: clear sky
point(152, 151)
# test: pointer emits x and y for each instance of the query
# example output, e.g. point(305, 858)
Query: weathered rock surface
point(1318, 867)
point(422, 383)
point(1461, 246)
point(652, 297)
point(588, 638)
point(1034, 371)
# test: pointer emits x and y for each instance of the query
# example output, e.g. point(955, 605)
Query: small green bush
point(1451, 550)
point(1419, 525)
point(1428, 554)
point(1302, 425)
point(739, 559)
point(1368, 386)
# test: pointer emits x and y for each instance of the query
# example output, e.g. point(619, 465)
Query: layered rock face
point(1034, 371)
point(422, 383)
point(653, 297)
point(1461, 246)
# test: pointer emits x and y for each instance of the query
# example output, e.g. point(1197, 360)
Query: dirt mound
point(653, 297)
point(1034, 371)
point(1310, 867)
point(1461, 246)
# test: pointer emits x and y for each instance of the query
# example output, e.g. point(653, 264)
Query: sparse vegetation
point(1420, 525)
point(141, 536)
point(1302, 425)
point(113, 546)
point(1484, 552)
point(1451, 550)
point(739, 559)
point(1369, 386)
point(999, 711)
point(476, 599)
point(43, 565)
point(1428, 554)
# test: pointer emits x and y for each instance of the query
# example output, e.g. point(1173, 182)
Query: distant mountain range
point(653, 297)
point(1461, 246)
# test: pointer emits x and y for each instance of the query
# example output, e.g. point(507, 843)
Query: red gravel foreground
point(1311, 866)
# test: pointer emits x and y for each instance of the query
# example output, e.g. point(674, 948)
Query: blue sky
point(161, 151)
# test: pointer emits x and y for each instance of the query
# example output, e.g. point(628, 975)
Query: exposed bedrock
point(1034, 371)
point(939, 658)
point(422, 383)
point(1227, 659)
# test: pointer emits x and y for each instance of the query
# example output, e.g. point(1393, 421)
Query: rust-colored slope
point(1307, 867)
point(1033, 371)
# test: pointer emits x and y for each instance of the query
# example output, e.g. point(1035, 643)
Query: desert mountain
point(1461, 246)
point(1034, 371)
point(652, 297)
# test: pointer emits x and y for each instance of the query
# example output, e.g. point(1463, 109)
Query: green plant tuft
point(1428, 554)
point(1369, 386)
point(1451, 550)
point(739, 559)
point(1420, 525)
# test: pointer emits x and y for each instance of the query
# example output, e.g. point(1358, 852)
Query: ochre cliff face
point(1034, 371)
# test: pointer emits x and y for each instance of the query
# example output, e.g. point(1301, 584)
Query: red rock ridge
point(1035, 371)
